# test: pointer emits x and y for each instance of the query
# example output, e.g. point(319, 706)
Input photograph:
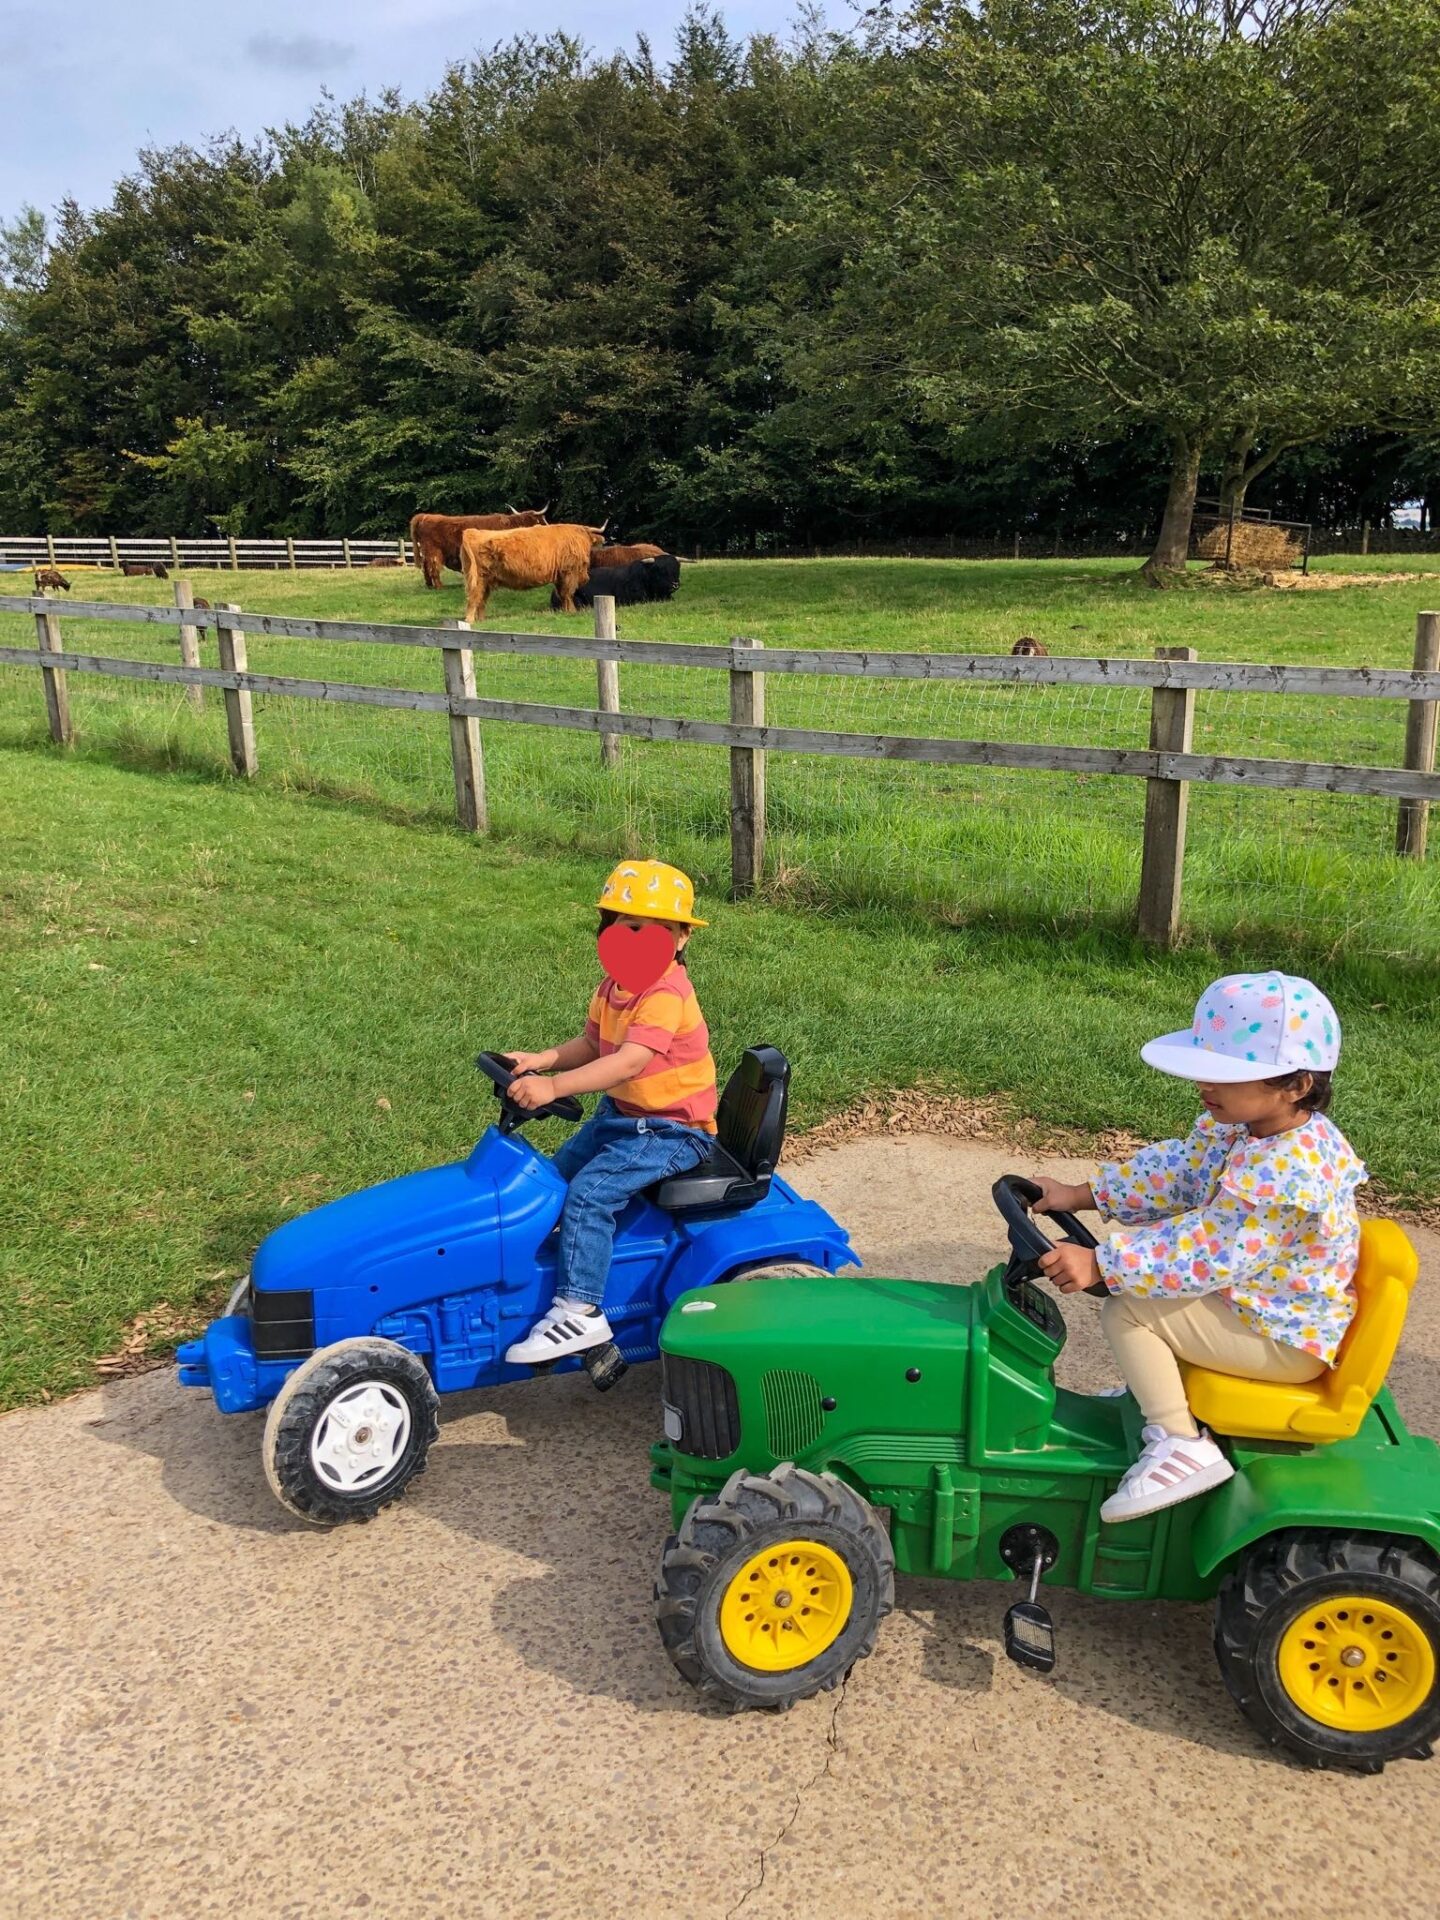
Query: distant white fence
point(23, 550)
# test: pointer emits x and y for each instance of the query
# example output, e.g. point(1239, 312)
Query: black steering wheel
point(1014, 1196)
point(500, 1068)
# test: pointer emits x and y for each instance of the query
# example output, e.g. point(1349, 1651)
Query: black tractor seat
point(746, 1149)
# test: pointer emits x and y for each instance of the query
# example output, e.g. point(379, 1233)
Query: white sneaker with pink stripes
point(1170, 1469)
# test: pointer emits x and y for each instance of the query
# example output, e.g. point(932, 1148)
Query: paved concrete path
point(463, 1709)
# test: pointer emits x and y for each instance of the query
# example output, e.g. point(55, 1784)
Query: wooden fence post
point(189, 644)
point(466, 753)
point(404, 556)
point(114, 553)
point(1413, 825)
point(239, 704)
point(1162, 861)
point(50, 548)
point(345, 549)
point(290, 554)
point(234, 560)
point(747, 779)
point(174, 552)
point(607, 674)
point(57, 696)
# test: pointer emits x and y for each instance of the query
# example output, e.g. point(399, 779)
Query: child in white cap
point(1239, 1243)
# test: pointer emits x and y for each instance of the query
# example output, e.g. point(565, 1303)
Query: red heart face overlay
point(635, 957)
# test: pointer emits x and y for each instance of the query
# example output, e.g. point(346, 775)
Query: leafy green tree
point(1133, 216)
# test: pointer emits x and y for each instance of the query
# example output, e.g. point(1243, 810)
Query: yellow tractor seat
point(1332, 1406)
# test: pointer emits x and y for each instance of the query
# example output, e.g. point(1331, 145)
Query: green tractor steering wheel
point(1014, 1196)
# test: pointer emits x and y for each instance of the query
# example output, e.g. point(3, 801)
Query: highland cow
point(622, 556)
point(628, 586)
point(525, 557)
point(1028, 648)
point(436, 536)
point(51, 580)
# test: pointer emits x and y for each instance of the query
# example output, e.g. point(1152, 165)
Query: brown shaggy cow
point(49, 579)
point(1027, 648)
point(436, 536)
point(525, 557)
point(144, 569)
point(622, 556)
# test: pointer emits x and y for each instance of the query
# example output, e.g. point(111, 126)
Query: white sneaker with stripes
point(1171, 1468)
point(569, 1327)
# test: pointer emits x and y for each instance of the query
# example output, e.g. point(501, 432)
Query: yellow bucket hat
point(649, 890)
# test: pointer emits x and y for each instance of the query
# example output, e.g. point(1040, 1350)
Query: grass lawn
point(224, 1004)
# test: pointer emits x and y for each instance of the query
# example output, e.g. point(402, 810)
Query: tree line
point(1012, 265)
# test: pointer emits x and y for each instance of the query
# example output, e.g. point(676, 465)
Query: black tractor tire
point(779, 1270)
point(298, 1413)
point(719, 1535)
point(1286, 1575)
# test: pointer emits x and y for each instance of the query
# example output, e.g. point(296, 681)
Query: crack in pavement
point(832, 1743)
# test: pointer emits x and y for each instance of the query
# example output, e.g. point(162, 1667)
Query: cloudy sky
point(83, 87)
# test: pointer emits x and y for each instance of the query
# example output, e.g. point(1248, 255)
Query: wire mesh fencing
point(1035, 844)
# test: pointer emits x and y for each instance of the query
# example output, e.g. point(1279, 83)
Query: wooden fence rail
point(1167, 764)
point(174, 551)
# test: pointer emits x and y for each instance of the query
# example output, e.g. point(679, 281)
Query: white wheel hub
point(361, 1436)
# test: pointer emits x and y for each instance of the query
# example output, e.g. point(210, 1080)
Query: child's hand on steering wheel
point(527, 1062)
point(1057, 1197)
point(531, 1090)
point(1072, 1269)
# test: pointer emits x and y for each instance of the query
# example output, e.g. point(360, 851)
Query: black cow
point(630, 585)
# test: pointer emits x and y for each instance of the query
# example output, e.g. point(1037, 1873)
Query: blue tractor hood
point(449, 1213)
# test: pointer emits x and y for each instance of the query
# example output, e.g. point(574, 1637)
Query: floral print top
point(1271, 1224)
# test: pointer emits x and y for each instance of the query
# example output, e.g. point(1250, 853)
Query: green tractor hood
point(780, 1367)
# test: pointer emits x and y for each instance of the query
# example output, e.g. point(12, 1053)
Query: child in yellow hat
point(646, 1049)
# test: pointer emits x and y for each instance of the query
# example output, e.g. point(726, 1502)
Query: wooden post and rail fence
point(1168, 765)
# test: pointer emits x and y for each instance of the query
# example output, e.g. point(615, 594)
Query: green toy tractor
point(823, 1433)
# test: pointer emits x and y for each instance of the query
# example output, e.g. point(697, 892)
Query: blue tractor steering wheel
point(499, 1068)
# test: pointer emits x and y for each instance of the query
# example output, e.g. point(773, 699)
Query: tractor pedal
point(1030, 1636)
point(605, 1365)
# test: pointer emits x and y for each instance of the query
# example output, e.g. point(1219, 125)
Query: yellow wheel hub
point(1357, 1664)
point(787, 1604)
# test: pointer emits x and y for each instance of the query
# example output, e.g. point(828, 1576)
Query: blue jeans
point(607, 1161)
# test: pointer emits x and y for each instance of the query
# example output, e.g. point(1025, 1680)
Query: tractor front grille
point(793, 1419)
point(702, 1413)
point(282, 1325)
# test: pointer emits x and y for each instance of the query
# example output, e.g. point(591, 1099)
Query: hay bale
point(1257, 544)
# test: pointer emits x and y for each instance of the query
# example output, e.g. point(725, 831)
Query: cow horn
point(510, 509)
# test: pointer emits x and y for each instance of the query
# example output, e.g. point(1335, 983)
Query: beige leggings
point(1148, 1337)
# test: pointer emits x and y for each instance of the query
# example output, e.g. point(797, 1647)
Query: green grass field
point(225, 1003)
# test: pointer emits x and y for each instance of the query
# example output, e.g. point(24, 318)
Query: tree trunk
point(1234, 480)
point(1172, 548)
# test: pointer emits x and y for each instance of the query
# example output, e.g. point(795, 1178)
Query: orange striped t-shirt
point(679, 1082)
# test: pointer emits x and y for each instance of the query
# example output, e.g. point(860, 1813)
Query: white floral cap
point(1251, 1026)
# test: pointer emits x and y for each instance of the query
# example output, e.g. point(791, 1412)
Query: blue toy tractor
point(356, 1317)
